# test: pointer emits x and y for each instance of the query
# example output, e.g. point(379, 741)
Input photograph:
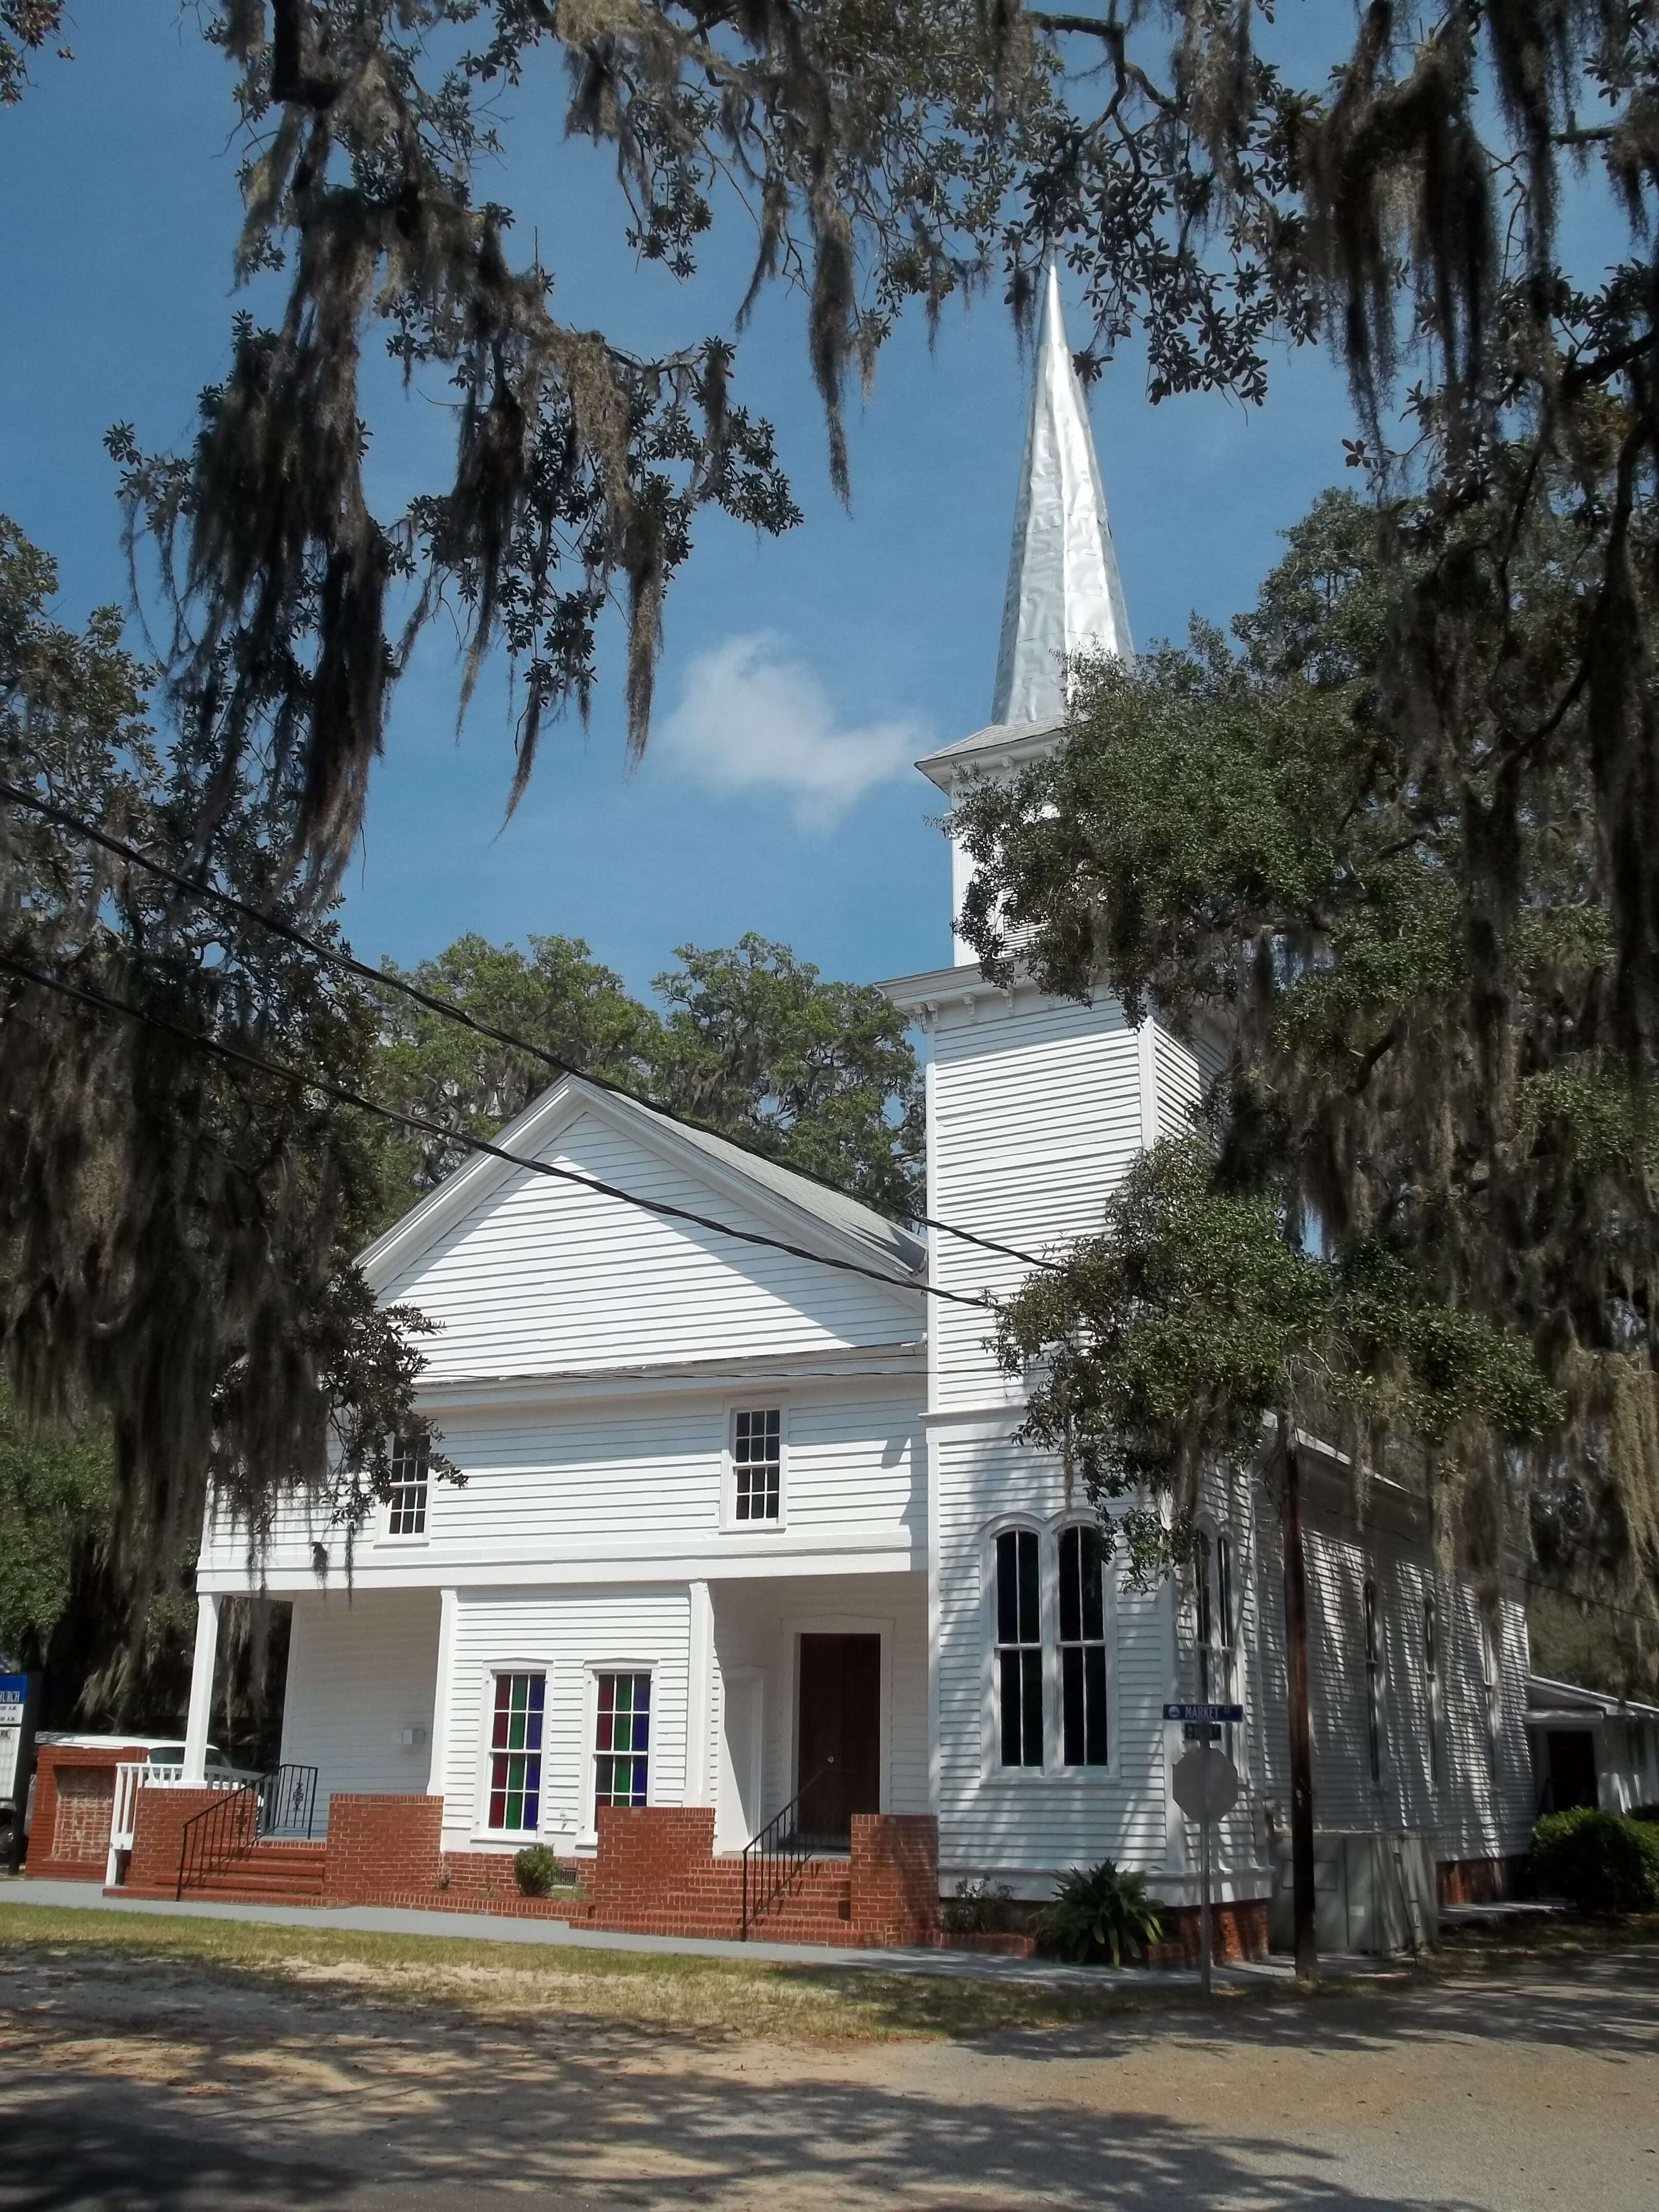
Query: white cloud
point(751, 718)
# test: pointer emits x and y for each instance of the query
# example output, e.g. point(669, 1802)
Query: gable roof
point(792, 1207)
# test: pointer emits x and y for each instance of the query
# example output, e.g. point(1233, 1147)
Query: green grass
point(487, 1979)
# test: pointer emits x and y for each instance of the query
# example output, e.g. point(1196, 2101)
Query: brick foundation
point(895, 1875)
point(73, 1799)
point(378, 1845)
point(158, 1827)
point(1483, 1881)
point(1238, 1932)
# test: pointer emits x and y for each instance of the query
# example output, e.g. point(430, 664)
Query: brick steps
point(273, 1873)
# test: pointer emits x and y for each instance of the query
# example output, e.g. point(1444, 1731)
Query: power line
point(196, 887)
point(423, 1126)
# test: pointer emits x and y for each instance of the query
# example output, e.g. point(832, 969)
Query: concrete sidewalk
point(486, 1927)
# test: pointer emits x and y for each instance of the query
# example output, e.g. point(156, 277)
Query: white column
point(200, 1688)
point(701, 1664)
point(436, 1777)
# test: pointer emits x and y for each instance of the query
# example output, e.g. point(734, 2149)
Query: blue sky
point(815, 661)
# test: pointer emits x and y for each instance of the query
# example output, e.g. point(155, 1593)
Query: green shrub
point(1601, 1862)
point(535, 1870)
point(979, 1908)
point(1098, 1912)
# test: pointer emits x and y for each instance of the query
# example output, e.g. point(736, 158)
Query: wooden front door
point(839, 1762)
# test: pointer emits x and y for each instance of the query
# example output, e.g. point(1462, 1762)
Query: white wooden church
point(742, 1522)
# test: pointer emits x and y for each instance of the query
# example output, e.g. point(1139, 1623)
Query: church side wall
point(1482, 1804)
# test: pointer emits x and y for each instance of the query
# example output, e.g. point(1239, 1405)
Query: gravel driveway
point(171, 2086)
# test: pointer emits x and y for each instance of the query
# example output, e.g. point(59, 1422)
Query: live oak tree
point(753, 1044)
point(1418, 1219)
point(176, 1227)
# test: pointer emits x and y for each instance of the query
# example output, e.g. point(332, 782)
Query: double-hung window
point(1432, 1680)
point(1083, 1727)
point(515, 1752)
point(757, 1463)
point(407, 1501)
point(1018, 1648)
point(621, 1738)
point(1373, 1684)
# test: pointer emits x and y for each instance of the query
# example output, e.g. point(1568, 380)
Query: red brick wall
point(74, 1797)
point(1238, 1932)
point(1482, 1882)
point(379, 1844)
point(158, 1824)
point(643, 1851)
point(895, 1877)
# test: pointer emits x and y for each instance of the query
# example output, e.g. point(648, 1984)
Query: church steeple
point(1064, 593)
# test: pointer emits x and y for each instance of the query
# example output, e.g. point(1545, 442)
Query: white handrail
point(131, 1777)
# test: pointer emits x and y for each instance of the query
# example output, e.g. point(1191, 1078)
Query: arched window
point(1083, 1715)
point(1373, 1684)
point(1431, 1681)
point(1019, 1649)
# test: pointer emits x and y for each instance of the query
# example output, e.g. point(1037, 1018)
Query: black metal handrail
point(282, 1803)
point(773, 1856)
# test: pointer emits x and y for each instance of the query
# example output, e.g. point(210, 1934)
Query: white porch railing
point(134, 1775)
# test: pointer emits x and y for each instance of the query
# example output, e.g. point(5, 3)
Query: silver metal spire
point(1064, 593)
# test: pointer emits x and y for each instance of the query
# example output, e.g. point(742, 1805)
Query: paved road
point(175, 2090)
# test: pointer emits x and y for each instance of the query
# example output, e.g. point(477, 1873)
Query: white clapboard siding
point(566, 1632)
point(632, 1477)
point(1181, 1073)
point(362, 1670)
point(537, 1277)
point(1481, 1805)
point(1036, 1112)
point(756, 1623)
point(1030, 1824)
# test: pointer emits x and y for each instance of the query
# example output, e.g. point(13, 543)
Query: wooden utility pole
point(1296, 1646)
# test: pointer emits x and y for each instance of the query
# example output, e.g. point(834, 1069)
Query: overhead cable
point(198, 887)
point(422, 1127)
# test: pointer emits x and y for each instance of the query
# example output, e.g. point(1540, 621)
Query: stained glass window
point(515, 1752)
point(758, 1464)
point(621, 1740)
point(1019, 1650)
point(1082, 1648)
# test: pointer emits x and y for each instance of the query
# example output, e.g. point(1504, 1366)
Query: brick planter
point(1238, 1932)
point(74, 1800)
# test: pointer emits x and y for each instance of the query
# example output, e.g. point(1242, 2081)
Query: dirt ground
point(173, 2083)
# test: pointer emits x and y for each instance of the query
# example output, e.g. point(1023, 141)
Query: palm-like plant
point(1098, 1911)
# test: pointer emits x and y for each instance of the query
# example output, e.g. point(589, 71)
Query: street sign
point(1200, 1731)
point(1205, 1784)
point(1203, 1712)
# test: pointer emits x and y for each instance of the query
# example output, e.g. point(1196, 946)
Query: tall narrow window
point(621, 1740)
point(1082, 1648)
point(515, 1752)
point(1431, 1681)
point(757, 1464)
point(1491, 1684)
point(1213, 1599)
point(1373, 1684)
point(406, 1504)
point(1019, 1649)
